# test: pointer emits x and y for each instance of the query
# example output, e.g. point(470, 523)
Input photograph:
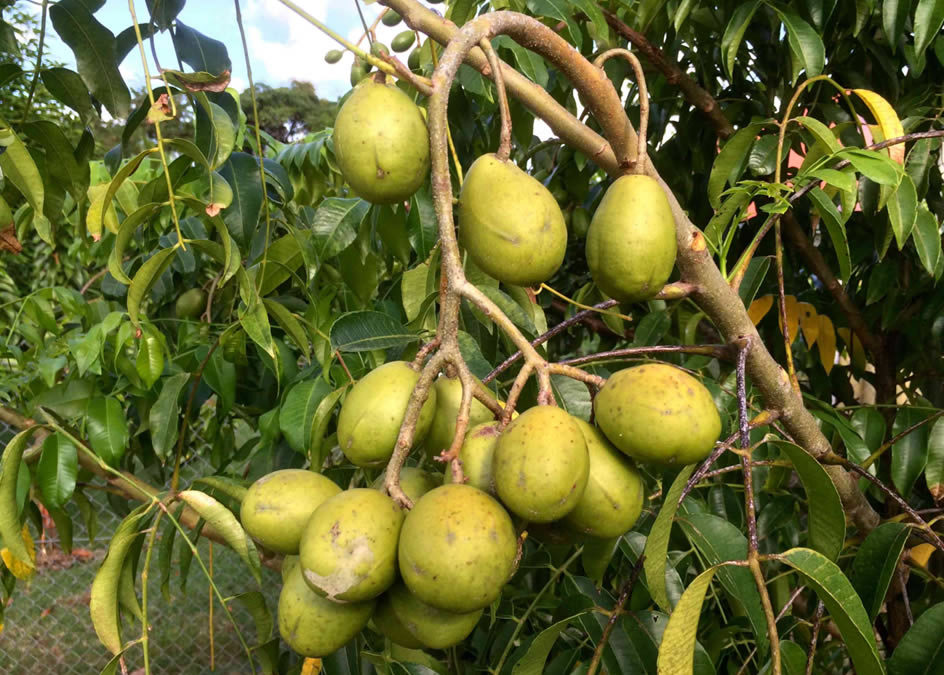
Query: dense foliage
point(110, 360)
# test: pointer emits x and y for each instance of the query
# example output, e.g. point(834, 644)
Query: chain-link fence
point(47, 627)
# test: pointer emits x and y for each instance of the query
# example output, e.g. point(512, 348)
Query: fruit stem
point(638, 165)
point(504, 145)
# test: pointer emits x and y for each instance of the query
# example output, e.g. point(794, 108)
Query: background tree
point(288, 113)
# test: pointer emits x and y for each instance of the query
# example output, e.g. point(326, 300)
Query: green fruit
point(403, 41)
point(278, 505)
point(612, 501)
point(379, 49)
point(381, 143)
point(457, 548)
point(333, 56)
point(348, 551)
point(371, 415)
point(657, 413)
point(580, 222)
point(358, 73)
point(391, 18)
point(448, 398)
point(190, 304)
point(413, 61)
point(541, 464)
point(631, 243)
point(289, 563)
point(314, 626)
point(406, 617)
point(413, 481)
point(509, 223)
point(477, 456)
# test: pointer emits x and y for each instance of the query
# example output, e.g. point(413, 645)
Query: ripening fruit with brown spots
point(410, 622)
point(659, 414)
point(541, 464)
point(413, 481)
point(448, 398)
point(477, 455)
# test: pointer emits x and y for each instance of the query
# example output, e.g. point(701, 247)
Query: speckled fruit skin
point(381, 143)
point(612, 501)
point(457, 548)
point(413, 481)
point(427, 626)
point(510, 223)
point(448, 398)
point(373, 411)
point(631, 243)
point(314, 626)
point(478, 457)
point(289, 563)
point(278, 505)
point(349, 548)
point(541, 464)
point(658, 414)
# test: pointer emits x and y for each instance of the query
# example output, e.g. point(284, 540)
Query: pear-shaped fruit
point(448, 398)
point(457, 548)
point(349, 549)
point(277, 506)
point(657, 413)
point(373, 411)
point(612, 501)
point(400, 615)
point(541, 464)
point(509, 223)
point(315, 626)
point(478, 457)
point(381, 143)
point(413, 481)
point(631, 243)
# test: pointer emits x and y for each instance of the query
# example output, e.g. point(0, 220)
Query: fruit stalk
point(639, 161)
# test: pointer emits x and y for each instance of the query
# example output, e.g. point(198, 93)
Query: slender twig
point(615, 615)
point(891, 442)
point(39, 62)
point(185, 420)
point(723, 352)
point(639, 161)
point(144, 592)
point(367, 31)
point(504, 144)
point(817, 622)
point(782, 303)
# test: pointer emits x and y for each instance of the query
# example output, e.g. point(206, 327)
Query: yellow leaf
point(793, 316)
point(94, 218)
point(887, 120)
point(311, 666)
point(759, 308)
point(809, 323)
point(19, 568)
point(921, 553)
point(826, 341)
point(856, 350)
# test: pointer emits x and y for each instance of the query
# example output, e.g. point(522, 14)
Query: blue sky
point(282, 45)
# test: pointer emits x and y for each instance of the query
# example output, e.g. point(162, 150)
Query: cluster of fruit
point(425, 576)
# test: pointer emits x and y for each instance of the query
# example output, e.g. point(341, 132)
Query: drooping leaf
point(934, 472)
point(927, 239)
point(18, 167)
point(145, 278)
point(335, 225)
point(9, 505)
point(225, 523)
point(298, 410)
point(657, 543)
point(241, 171)
point(910, 453)
point(921, 650)
point(902, 210)
point(928, 18)
point(368, 330)
point(58, 467)
point(164, 416)
point(734, 35)
point(875, 564)
point(837, 231)
point(731, 160)
point(202, 53)
point(883, 111)
point(677, 651)
point(805, 44)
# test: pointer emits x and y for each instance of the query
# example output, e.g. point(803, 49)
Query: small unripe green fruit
point(413, 60)
point(509, 223)
point(457, 548)
point(403, 41)
point(379, 49)
point(348, 551)
point(448, 398)
point(612, 501)
point(391, 18)
point(373, 411)
point(413, 621)
point(580, 222)
point(190, 304)
point(381, 143)
point(541, 464)
point(333, 56)
point(478, 457)
point(413, 481)
point(315, 626)
point(631, 242)
point(659, 414)
point(277, 507)
point(358, 73)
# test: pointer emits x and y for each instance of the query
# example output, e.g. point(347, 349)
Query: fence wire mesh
point(47, 627)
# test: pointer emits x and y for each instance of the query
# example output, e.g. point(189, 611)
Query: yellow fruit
point(457, 548)
point(541, 464)
point(278, 505)
point(631, 243)
point(657, 413)
point(405, 616)
point(413, 481)
point(289, 563)
point(371, 415)
point(612, 501)
point(510, 223)
point(315, 626)
point(448, 397)
point(381, 143)
point(349, 549)
point(477, 456)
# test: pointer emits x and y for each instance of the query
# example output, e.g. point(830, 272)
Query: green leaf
point(289, 323)
point(821, 132)
point(511, 308)
point(837, 231)
point(894, 14)
point(928, 18)
point(125, 233)
point(677, 651)
point(422, 227)
point(282, 258)
point(298, 411)
point(874, 165)
point(559, 10)
point(934, 472)
point(534, 660)
point(255, 604)
point(68, 88)
point(319, 426)
point(827, 519)
point(164, 416)
point(730, 162)
point(843, 604)
point(921, 650)
point(200, 52)
point(95, 54)
point(64, 528)
point(367, 330)
point(734, 34)
point(221, 133)
point(224, 522)
point(875, 563)
point(596, 556)
point(220, 376)
point(870, 425)
point(107, 429)
point(255, 321)
point(657, 543)
point(241, 171)
point(145, 278)
point(336, 224)
point(17, 167)
point(902, 210)
point(9, 506)
point(910, 454)
point(927, 239)
point(805, 44)
point(150, 360)
point(572, 395)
